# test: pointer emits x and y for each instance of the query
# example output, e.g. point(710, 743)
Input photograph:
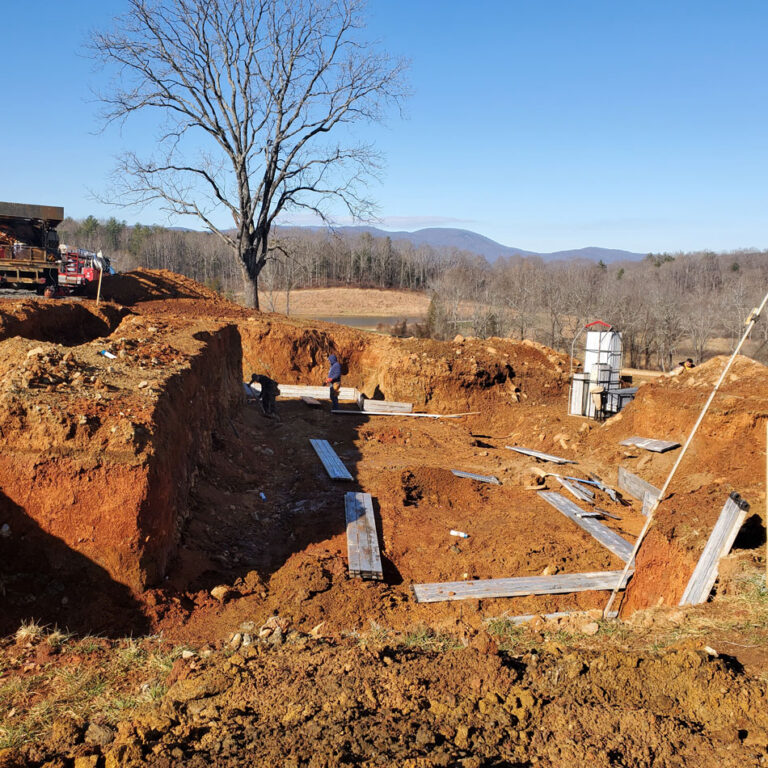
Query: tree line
point(667, 305)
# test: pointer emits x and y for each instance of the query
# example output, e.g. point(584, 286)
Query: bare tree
point(249, 91)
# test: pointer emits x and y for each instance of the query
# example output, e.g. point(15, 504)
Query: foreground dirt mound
point(322, 706)
point(140, 285)
point(727, 455)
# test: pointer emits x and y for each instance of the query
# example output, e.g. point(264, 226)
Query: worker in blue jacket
point(334, 379)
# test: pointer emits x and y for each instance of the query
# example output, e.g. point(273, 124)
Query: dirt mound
point(726, 455)
point(139, 285)
point(311, 704)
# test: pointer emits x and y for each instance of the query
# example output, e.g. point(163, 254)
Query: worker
point(334, 379)
point(269, 393)
point(689, 363)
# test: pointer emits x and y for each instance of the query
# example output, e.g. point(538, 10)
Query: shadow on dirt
point(43, 580)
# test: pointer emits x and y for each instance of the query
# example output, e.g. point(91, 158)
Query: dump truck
point(31, 257)
point(29, 245)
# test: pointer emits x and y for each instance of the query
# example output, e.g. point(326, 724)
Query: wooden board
point(519, 586)
point(319, 393)
point(649, 444)
point(385, 406)
point(332, 463)
point(414, 415)
point(362, 540)
point(582, 494)
point(542, 456)
point(638, 488)
point(480, 478)
point(310, 401)
point(608, 538)
point(719, 544)
point(556, 615)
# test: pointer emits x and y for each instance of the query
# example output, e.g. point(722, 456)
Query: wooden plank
point(608, 538)
point(638, 488)
point(414, 415)
point(310, 401)
point(480, 478)
point(649, 444)
point(319, 393)
point(386, 406)
point(362, 540)
point(582, 494)
point(519, 586)
point(525, 618)
point(718, 545)
point(542, 456)
point(332, 463)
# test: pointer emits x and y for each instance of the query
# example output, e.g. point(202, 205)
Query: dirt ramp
point(101, 452)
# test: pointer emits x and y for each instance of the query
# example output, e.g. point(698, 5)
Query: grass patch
point(427, 639)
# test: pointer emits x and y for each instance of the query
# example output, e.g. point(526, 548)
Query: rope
point(751, 320)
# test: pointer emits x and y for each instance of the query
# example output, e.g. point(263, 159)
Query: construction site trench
point(141, 494)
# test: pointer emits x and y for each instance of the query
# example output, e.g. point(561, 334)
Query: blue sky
point(543, 124)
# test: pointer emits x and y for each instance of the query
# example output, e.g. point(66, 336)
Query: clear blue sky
point(543, 124)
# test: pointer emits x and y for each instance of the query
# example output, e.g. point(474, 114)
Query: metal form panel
point(649, 444)
point(719, 544)
point(582, 494)
point(578, 404)
point(480, 478)
point(332, 463)
point(539, 455)
point(638, 488)
point(608, 538)
point(559, 584)
point(362, 540)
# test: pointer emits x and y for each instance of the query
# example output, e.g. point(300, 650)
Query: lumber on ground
point(524, 618)
point(540, 455)
point(301, 390)
point(519, 586)
point(414, 415)
point(332, 463)
point(582, 494)
point(608, 538)
point(383, 406)
point(718, 545)
point(481, 478)
point(638, 488)
point(310, 401)
point(649, 444)
point(362, 541)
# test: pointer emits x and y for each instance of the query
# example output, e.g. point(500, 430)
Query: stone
point(36, 351)
point(143, 383)
point(236, 640)
point(458, 339)
point(90, 761)
point(187, 654)
point(99, 735)
point(208, 684)
point(590, 628)
point(221, 593)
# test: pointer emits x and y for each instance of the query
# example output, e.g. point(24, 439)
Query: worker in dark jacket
point(334, 379)
point(269, 393)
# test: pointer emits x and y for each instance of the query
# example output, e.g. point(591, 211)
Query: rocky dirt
point(143, 495)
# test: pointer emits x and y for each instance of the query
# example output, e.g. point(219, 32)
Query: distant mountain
point(466, 240)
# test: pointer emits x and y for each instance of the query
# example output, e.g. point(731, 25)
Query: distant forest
point(667, 306)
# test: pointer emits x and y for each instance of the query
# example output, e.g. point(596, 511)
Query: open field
point(144, 498)
point(319, 302)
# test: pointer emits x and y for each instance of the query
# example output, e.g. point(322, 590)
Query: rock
point(221, 593)
point(590, 628)
point(425, 736)
point(236, 639)
point(208, 684)
point(143, 383)
point(491, 350)
point(99, 735)
point(90, 761)
point(36, 351)
point(458, 339)
point(187, 654)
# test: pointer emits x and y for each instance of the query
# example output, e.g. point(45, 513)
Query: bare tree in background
point(249, 91)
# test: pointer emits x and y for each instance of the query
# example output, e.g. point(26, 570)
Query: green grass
point(428, 640)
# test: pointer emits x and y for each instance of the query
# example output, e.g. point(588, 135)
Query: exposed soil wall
point(102, 453)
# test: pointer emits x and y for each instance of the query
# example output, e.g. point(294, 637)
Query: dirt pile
point(100, 452)
point(308, 703)
point(142, 285)
point(727, 455)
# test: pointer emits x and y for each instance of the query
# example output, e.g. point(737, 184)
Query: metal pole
point(751, 320)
